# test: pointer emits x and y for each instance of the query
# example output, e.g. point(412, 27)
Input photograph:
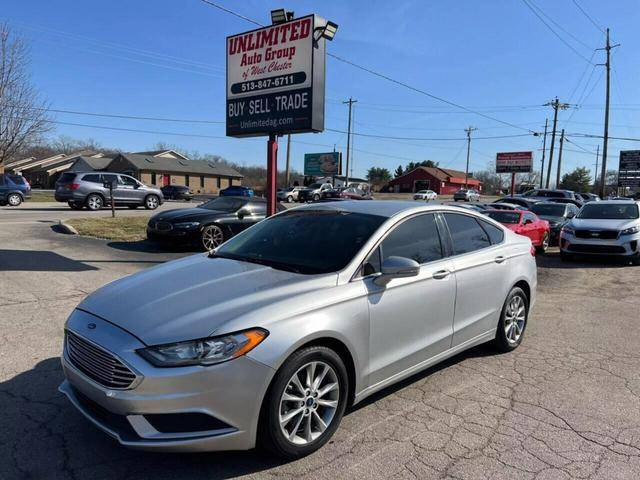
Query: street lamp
point(280, 16)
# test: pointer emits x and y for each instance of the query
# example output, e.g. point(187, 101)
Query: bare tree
point(23, 117)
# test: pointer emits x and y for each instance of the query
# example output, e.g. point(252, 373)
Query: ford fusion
point(268, 338)
point(610, 228)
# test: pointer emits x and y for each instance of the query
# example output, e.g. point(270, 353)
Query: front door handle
point(440, 274)
point(499, 259)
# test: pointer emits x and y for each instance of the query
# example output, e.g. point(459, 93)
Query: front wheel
point(211, 237)
point(151, 202)
point(14, 200)
point(316, 197)
point(289, 199)
point(305, 403)
point(513, 321)
point(544, 245)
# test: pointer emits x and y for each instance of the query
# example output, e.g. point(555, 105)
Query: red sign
point(514, 162)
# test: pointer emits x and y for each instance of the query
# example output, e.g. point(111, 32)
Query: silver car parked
point(270, 337)
point(89, 189)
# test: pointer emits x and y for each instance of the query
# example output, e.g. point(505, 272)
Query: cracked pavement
point(566, 404)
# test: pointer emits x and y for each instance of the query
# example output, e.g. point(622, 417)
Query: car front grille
point(583, 248)
point(596, 234)
point(96, 363)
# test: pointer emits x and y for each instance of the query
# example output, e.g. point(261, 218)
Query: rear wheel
point(14, 199)
point(544, 245)
point(513, 321)
point(94, 202)
point(305, 403)
point(151, 202)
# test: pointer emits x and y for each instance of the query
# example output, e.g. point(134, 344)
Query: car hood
point(594, 224)
point(193, 297)
point(187, 214)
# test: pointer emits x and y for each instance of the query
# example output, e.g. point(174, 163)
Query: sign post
point(514, 162)
point(275, 85)
point(110, 186)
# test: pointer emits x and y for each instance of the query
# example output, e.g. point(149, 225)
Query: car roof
point(383, 208)
point(506, 211)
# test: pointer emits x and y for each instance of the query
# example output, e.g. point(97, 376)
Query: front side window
point(306, 242)
point(128, 181)
point(466, 233)
point(416, 238)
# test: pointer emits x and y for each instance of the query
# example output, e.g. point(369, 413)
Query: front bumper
point(623, 246)
point(228, 395)
point(174, 236)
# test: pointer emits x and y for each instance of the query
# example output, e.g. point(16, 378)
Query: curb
point(66, 228)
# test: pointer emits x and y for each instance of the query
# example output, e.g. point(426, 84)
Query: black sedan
point(208, 225)
point(557, 214)
point(176, 192)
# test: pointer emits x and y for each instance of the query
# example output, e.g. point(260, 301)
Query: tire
point(316, 197)
point(542, 249)
point(291, 439)
point(513, 321)
point(289, 199)
point(75, 206)
point(14, 199)
point(133, 207)
point(212, 236)
point(94, 202)
point(151, 202)
point(565, 257)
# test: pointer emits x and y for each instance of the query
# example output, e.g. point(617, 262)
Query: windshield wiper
point(259, 261)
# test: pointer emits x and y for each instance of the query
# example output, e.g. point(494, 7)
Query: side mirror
point(243, 212)
point(397, 267)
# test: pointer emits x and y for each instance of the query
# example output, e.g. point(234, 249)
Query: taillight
point(73, 186)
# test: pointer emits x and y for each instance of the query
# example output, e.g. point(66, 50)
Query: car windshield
point(616, 211)
point(504, 216)
point(315, 185)
point(307, 242)
point(223, 204)
point(553, 210)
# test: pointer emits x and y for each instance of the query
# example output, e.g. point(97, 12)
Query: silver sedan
point(267, 339)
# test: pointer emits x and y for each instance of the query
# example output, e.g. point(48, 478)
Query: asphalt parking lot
point(566, 404)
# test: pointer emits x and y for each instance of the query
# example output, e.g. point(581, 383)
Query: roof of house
point(173, 165)
point(442, 174)
point(97, 163)
point(158, 153)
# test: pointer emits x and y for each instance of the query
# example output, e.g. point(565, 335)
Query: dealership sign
point(322, 164)
point(275, 79)
point(514, 162)
point(629, 169)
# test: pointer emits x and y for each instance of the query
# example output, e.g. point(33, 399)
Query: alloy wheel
point(212, 237)
point(94, 202)
point(152, 202)
point(514, 319)
point(545, 242)
point(14, 200)
point(289, 199)
point(309, 402)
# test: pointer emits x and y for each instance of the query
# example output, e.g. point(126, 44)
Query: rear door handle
point(440, 274)
point(499, 259)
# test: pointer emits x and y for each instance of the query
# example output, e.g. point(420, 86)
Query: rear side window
point(416, 238)
point(93, 178)
point(466, 233)
point(496, 235)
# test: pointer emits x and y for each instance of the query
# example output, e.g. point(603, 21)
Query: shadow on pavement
point(50, 439)
point(146, 246)
point(39, 261)
point(552, 260)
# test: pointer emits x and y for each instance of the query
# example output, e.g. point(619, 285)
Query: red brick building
point(443, 181)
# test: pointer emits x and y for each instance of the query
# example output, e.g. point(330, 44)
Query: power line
point(381, 75)
point(593, 22)
point(526, 2)
point(387, 137)
point(560, 26)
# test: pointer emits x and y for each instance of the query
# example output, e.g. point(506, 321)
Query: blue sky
point(165, 58)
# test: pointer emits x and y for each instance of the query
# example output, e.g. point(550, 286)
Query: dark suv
point(550, 195)
point(14, 189)
point(90, 190)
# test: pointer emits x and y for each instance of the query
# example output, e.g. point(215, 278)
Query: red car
point(353, 193)
point(524, 222)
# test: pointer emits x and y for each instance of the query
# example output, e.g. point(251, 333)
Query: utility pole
point(288, 172)
point(466, 171)
point(560, 159)
point(595, 180)
point(605, 144)
point(544, 150)
point(350, 102)
point(556, 105)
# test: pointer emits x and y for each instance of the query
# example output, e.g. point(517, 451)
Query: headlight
point(568, 230)
point(631, 230)
point(206, 351)
point(187, 225)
